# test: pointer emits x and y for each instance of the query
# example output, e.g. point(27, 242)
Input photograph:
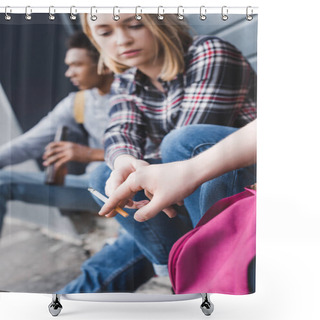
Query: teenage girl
point(165, 80)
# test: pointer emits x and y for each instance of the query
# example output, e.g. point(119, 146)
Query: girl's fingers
point(129, 203)
point(122, 195)
point(137, 204)
point(114, 181)
point(112, 214)
point(148, 194)
point(152, 209)
point(170, 212)
point(119, 198)
point(124, 203)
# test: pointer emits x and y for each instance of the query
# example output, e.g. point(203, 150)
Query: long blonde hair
point(172, 40)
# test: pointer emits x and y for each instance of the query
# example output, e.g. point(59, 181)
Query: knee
point(175, 136)
point(174, 146)
point(186, 142)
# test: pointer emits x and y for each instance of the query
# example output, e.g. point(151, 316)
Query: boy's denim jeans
point(30, 187)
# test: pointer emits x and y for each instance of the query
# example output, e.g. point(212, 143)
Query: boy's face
point(82, 71)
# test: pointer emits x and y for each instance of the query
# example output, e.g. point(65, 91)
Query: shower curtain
point(52, 238)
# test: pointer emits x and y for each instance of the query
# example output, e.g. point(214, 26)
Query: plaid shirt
point(217, 87)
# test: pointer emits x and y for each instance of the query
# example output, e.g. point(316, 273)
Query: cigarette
point(104, 199)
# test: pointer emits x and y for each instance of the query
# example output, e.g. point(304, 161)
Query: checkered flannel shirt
point(217, 87)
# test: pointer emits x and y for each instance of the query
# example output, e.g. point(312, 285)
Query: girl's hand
point(164, 184)
point(170, 183)
point(123, 167)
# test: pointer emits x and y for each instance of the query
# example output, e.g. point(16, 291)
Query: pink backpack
point(215, 255)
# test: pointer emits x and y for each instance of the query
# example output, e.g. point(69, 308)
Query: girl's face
point(127, 41)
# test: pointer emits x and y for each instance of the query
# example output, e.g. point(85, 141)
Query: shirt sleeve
point(31, 144)
point(218, 86)
point(126, 133)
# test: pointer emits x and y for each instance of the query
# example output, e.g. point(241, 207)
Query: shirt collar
point(138, 79)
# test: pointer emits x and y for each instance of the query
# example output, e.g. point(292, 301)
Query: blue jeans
point(119, 267)
point(153, 239)
point(30, 187)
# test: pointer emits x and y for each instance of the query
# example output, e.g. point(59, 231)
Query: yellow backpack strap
point(78, 107)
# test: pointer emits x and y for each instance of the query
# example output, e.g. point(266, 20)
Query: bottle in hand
point(53, 175)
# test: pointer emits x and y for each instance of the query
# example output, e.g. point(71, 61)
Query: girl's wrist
point(191, 169)
point(124, 160)
point(203, 169)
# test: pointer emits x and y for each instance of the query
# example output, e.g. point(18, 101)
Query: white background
point(288, 271)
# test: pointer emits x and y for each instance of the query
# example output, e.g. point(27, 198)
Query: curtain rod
point(139, 9)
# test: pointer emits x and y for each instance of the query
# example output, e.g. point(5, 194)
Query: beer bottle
point(53, 175)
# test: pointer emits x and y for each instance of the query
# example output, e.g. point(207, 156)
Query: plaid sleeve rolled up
point(126, 133)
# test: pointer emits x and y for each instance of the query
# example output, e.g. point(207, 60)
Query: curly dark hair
point(80, 40)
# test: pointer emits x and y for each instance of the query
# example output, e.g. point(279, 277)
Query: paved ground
point(34, 259)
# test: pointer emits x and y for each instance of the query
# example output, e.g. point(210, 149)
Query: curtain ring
point(137, 16)
point(203, 13)
point(93, 17)
point(160, 15)
point(249, 16)
point(116, 17)
point(52, 11)
point(224, 13)
point(73, 12)
point(28, 13)
point(180, 13)
point(6, 14)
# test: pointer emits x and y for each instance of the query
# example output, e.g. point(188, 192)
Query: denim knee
point(174, 146)
point(188, 141)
